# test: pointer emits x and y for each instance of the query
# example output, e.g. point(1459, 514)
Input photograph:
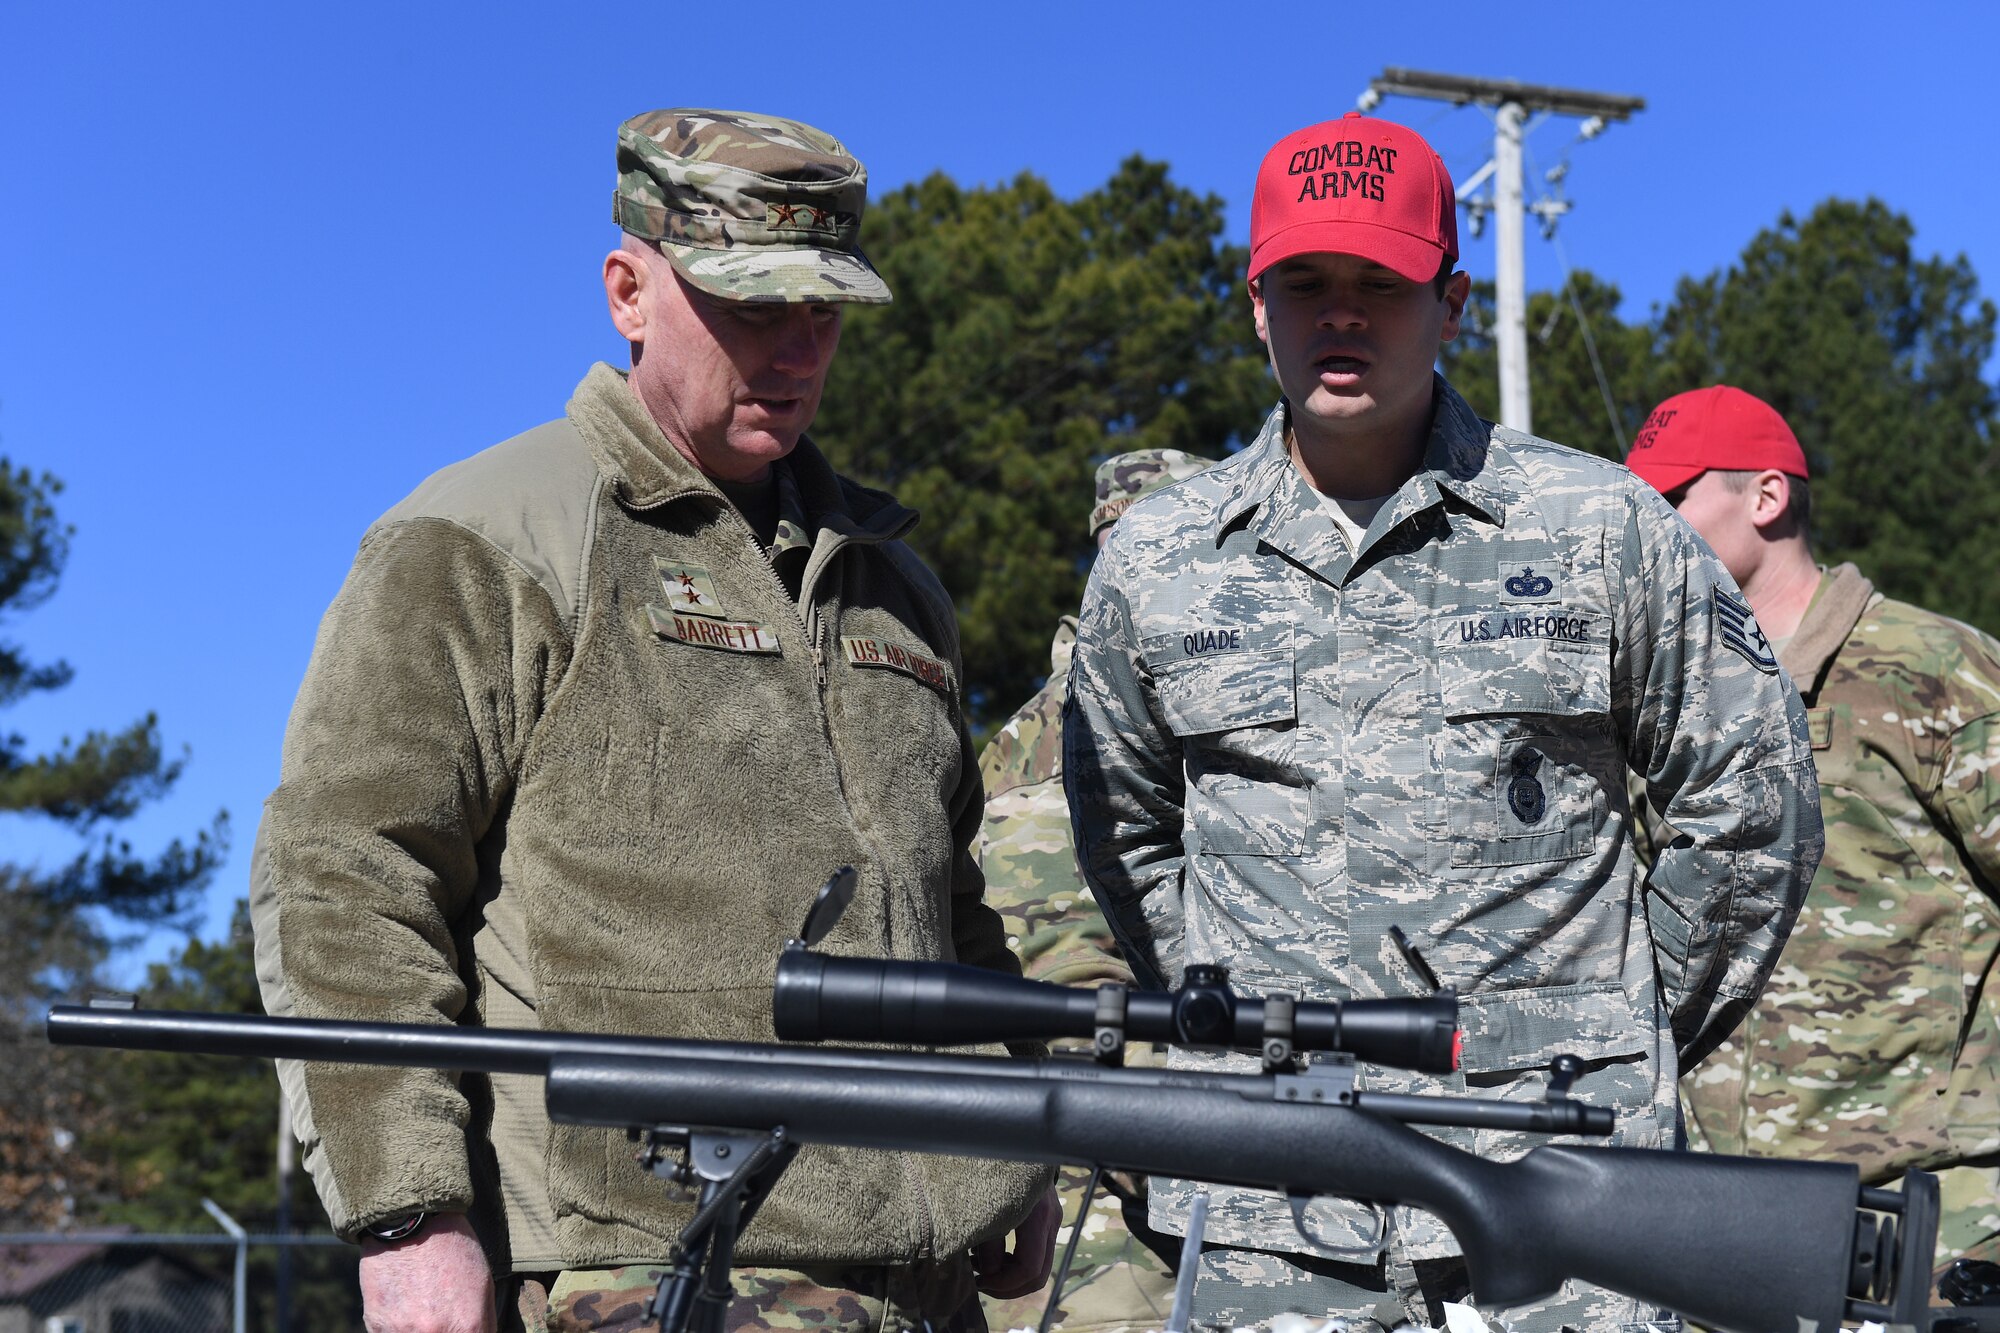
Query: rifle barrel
point(515, 1051)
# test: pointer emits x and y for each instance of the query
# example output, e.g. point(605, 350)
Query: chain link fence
point(121, 1281)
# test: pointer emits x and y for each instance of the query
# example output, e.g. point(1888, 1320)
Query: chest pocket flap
point(1221, 678)
point(1526, 676)
point(1511, 1036)
point(1525, 1029)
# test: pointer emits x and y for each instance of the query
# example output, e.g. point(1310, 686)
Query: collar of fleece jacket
point(649, 471)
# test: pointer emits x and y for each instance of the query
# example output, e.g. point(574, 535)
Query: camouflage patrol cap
point(747, 207)
point(1125, 479)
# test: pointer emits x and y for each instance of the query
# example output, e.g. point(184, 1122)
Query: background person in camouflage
point(1876, 1042)
point(1388, 666)
point(567, 682)
point(1120, 1277)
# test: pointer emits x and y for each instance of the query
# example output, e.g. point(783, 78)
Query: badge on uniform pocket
point(1525, 795)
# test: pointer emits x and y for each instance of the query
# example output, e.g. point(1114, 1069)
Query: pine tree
point(54, 924)
point(1876, 357)
point(1030, 339)
point(1567, 398)
point(1874, 354)
point(173, 1129)
point(99, 780)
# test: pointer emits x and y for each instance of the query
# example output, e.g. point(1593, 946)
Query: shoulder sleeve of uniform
point(533, 498)
point(1123, 774)
point(1967, 784)
point(1718, 735)
point(431, 668)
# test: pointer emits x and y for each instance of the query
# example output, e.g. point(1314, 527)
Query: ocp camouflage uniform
point(1877, 1042)
point(1116, 1280)
point(1276, 750)
point(1120, 1277)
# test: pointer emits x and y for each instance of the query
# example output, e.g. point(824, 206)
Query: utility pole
point(1513, 102)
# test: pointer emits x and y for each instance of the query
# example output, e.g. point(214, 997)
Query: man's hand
point(434, 1282)
point(1005, 1275)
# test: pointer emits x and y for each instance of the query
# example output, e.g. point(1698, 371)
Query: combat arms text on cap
point(1719, 428)
point(747, 207)
point(1355, 186)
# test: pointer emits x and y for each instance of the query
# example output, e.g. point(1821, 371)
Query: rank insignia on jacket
point(1737, 624)
point(1525, 796)
point(863, 651)
point(689, 589)
point(709, 631)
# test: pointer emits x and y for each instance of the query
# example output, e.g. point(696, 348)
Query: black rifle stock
point(1737, 1244)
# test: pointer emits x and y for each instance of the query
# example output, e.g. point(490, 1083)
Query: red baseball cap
point(1354, 186)
point(1720, 428)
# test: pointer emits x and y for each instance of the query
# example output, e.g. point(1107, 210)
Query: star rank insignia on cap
point(689, 589)
point(1737, 624)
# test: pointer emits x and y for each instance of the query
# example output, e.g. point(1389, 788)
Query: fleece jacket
point(570, 754)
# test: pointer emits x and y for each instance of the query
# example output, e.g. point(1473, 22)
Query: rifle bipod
point(737, 1170)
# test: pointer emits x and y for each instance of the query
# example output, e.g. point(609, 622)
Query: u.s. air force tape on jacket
point(863, 651)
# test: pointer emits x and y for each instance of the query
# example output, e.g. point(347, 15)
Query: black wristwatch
point(397, 1228)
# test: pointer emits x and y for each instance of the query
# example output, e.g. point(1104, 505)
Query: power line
point(1590, 346)
point(1558, 173)
point(1511, 104)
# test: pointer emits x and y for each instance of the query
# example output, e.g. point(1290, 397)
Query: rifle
point(1738, 1244)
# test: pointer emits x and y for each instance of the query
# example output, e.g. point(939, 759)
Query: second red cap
point(1720, 428)
point(1354, 186)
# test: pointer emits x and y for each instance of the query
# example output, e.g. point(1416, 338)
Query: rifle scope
point(818, 997)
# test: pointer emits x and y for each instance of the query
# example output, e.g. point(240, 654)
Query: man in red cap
point(1878, 1042)
point(1388, 666)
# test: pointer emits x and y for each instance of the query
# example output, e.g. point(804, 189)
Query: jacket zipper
point(806, 609)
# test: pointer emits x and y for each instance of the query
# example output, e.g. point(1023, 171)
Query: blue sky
point(264, 267)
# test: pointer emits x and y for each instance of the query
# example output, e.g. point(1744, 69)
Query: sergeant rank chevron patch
point(1738, 626)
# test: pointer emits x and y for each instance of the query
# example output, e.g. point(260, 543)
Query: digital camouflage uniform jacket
point(1876, 1042)
point(1276, 751)
point(569, 754)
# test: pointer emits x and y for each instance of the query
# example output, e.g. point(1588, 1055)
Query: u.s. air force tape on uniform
point(863, 651)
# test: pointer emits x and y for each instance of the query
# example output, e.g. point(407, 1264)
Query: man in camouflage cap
point(1877, 1042)
point(567, 682)
point(747, 208)
point(1125, 479)
point(1120, 1278)
point(1387, 667)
